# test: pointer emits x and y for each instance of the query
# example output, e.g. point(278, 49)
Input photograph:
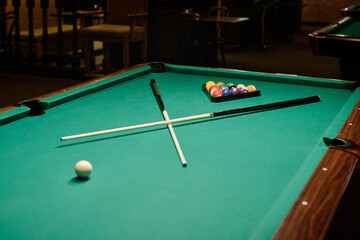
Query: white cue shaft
point(275, 105)
point(176, 142)
point(206, 115)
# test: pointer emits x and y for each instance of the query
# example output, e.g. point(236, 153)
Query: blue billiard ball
point(226, 92)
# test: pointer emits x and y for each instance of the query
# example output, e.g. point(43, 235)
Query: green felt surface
point(244, 172)
point(350, 27)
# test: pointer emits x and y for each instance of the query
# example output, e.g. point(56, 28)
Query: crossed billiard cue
point(168, 121)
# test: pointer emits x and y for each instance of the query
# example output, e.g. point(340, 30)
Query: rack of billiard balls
point(220, 92)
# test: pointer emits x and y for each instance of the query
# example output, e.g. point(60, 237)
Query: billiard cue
point(166, 117)
point(269, 106)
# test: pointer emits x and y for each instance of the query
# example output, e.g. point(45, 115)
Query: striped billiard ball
point(251, 88)
point(241, 86)
point(217, 93)
point(209, 84)
point(212, 87)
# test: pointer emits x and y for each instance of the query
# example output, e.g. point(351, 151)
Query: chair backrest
point(217, 11)
point(118, 10)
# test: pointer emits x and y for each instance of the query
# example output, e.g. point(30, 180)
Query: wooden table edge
point(75, 86)
point(311, 214)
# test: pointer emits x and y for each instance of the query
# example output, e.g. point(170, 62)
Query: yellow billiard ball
point(209, 84)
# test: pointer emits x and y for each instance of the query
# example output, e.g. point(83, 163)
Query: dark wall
point(165, 32)
point(164, 25)
point(162, 34)
point(84, 4)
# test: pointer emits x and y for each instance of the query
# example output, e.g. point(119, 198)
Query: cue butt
point(157, 94)
point(275, 105)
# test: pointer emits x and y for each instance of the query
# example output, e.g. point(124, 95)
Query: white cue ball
point(83, 169)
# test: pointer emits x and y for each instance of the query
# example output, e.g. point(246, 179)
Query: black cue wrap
point(282, 104)
point(157, 94)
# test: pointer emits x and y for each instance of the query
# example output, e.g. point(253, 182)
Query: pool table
point(351, 11)
point(342, 40)
point(255, 175)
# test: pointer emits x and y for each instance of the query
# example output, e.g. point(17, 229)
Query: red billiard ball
point(213, 87)
point(217, 93)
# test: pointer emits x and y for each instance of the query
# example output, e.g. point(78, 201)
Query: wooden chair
point(126, 22)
